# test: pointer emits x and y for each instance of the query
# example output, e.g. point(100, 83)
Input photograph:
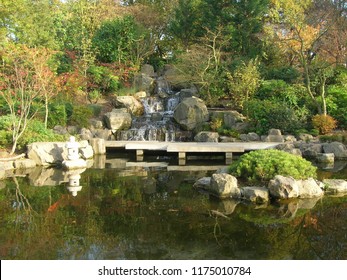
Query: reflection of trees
point(22, 206)
point(123, 218)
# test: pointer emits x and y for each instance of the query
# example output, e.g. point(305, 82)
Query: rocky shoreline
point(225, 186)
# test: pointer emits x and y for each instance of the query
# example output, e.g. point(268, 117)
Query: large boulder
point(326, 158)
point(336, 148)
point(118, 119)
point(47, 153)
point(335, 185)
point(283, 187)
point(54, 153)
point(257, 195)
point(203, 183)
point(148, 70)
point(86, 151)
point(310, 150)
point(274, 135)
point(162, 87)
point(143, 82)
point(224, 186)
point(24, 163)
point(187, 93)
point(105, 134)
point(250, 137)
point(86, 134)
point(2, 173)
point(131, 103)
point(191, 113)
point(289, 148)
point(231, 119)
point(8, 165)
point(309, 188)
point(206, 136)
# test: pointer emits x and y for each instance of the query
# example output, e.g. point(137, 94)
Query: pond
point(130, 210)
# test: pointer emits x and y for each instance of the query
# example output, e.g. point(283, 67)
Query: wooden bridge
point(183, 148)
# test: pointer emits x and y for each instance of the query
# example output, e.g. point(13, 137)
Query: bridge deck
point(189, 147)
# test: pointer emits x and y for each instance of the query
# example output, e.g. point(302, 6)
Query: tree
point(122, 41)
point(301, 28)
point(202, 65)
point(244, 82)
point(25, 78)
point(247, 26)
point(185, 24)
point(30, 22)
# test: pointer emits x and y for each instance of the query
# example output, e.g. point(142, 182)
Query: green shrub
point(96, 109)
point(93, 96)
point(337, 104)
point(36, 132)
point(285, 73)
point(216, 124)
point(80, 116)
point(271, 89)
point(267, 114)
point(57, 115)
point(5, 130)
point(102, 79)
point(341, 137)
point(264, 165)
point(228, 132)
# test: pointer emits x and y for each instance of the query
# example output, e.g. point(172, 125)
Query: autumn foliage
point(324, 123)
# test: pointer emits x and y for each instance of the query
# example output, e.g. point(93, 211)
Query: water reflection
point(132, 210)
point(74, 177)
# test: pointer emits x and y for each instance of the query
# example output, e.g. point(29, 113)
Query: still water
point(129, 210)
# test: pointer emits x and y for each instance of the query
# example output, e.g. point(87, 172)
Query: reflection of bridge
point(184, 148)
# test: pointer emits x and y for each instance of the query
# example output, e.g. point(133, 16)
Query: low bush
point(216, 124)
point(337, 104)
point(267, 114)
point(285, 73)
point(324, 123)
point(5, 131)
point(96, 109)
point(80, 116)
point(103, 80)
point(57, 115)
point(264, 165)
point(228, 132)
point(340, 137)
point(36, 132)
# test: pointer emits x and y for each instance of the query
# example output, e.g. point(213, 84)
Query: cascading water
point(156, 124)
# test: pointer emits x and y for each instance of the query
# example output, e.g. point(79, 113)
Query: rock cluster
point(223, 185)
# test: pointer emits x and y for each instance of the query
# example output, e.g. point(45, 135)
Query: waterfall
point(156, 124)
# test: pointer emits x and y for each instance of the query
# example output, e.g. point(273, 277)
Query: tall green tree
point(30, 22)
point(186, 25)
point(122, 41)
point(247, 26)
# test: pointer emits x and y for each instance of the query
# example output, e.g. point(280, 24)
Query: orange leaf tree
point(25, 78)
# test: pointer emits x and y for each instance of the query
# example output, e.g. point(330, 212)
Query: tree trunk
point(46, 111)
point(322, 94)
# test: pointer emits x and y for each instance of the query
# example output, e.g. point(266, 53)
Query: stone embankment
point(224, 185)
point(49, 154)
